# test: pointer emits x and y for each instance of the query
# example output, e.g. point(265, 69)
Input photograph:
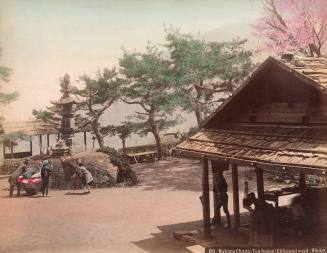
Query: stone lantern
point(68, 106)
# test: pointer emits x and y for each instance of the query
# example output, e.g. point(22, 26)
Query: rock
point(178, 235)
point(105, 173)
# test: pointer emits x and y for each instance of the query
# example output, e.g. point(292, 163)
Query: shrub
point(125, 172)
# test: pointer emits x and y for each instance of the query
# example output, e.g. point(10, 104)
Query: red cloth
point(31, 180)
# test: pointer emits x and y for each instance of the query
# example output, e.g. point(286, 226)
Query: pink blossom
point(292, 25)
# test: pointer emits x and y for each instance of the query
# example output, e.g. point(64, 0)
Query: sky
point(41, 40)
point(44, 39)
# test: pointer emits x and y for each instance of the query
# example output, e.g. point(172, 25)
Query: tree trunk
point(155, 132)
point(98, 135)
point(124, 145)
point(198, 114)
point(158, 143)
point(314, 49)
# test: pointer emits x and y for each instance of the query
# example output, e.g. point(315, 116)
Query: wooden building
point(46, 135)
point(276, 120)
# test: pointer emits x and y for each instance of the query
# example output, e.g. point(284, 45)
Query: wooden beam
point(205, 197)
point(236, 204)
point(260, 186)
point(264, 165)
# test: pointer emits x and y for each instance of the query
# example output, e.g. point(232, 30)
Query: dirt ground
point(137, 219)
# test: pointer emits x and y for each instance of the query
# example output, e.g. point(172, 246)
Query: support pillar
point(31, 147)
point(260, 187)
point(40, 144)
point(85, 140)
point(236, 202)
point(205, 197)
point(48, 144)
point(302, 181)
point(2, 152)
point(217, 214)
point(48, 140)
point(302, 184)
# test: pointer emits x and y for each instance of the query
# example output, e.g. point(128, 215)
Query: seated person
point(250, 200)
point(299, 214)
point(261, 215)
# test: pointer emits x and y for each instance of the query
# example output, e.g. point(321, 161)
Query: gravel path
point(137, 219)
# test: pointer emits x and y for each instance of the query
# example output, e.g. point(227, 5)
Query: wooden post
point(236, 204)
point(48, 140)
point(4, 151)
point(217, 214)
point(260, 186)
point(205, 197)
point(12, 150)
point(302, 185)
point(85, 140)
point(40, 144)
point(31, 147)
point(2, 155)
point(48, 144)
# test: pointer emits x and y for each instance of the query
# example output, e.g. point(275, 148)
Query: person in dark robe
point(21, 169)
point(45, 176)
point(220, 189)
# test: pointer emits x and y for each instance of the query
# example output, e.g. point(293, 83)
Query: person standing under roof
point(220, 189)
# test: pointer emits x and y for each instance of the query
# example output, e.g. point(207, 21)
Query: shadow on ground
point(173, 173)
point(221, 237)
point(176, 173)
point(76, 193)
point(164, 242)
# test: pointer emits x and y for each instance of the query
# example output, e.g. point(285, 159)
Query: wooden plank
point(260, 185)
point(235, 195)
point(142, 153)
point(205, 198)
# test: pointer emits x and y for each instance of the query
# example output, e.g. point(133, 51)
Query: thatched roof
point(282, 146)
point(311, 67)
point(296, 146)
point(31, 127)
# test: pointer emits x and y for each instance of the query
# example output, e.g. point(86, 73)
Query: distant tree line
point(185, 74)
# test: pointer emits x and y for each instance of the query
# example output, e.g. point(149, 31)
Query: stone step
point(196, 248)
